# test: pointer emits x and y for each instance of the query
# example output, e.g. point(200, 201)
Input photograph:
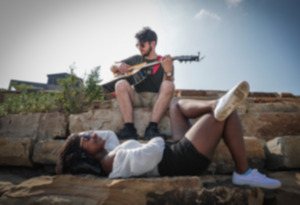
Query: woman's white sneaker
point(231, 100)
point(255, 179)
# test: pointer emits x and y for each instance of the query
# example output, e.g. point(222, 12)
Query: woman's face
point(92, 143)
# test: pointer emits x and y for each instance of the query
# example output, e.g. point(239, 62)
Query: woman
point(191, 152)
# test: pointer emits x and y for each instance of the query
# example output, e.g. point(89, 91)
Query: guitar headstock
point(188, 58)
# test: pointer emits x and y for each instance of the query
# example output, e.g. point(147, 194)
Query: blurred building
point(52, 83)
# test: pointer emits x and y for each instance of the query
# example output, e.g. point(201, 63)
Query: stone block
point(222, 162)
point(268, 125)
point(67, 189)
point(47, 151)
point(263, 94)
point(100, 119)
point(289, 192)
point(287, 95)
point(283, 153)
point(15, 151)
point(20, 125)
point(190, 93)
point(52, 125)
point(282, 107)
point(17, 135)
point(111, 119)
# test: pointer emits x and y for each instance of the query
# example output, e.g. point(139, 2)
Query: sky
point(253, 40)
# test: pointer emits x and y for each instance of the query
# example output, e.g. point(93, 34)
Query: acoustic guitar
point(140, 72)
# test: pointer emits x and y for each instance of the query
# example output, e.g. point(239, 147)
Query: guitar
point(140, 72)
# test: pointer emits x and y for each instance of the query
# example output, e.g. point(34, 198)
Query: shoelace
point(255, 172)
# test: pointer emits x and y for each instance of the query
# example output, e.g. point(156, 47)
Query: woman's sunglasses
point(86, 137)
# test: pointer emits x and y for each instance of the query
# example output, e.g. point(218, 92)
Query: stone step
point(263, 120)
point(25, 145)
point(88, 189)
point(34, 140)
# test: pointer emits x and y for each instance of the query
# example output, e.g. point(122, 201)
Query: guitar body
point(133, 78)
point(140, 72)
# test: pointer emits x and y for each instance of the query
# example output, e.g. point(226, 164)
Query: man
point(155, 91)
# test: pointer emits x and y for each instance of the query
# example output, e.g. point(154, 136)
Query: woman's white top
point(136, 159)
point(132, 157)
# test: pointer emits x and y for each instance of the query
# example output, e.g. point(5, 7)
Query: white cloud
point(202, 14)
point(233, 3)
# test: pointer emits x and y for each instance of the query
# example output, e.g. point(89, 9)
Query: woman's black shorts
point(182, 158)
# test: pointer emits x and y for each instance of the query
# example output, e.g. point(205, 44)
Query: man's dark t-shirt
point(152, 82)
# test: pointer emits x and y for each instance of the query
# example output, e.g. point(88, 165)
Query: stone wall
point(271, 126)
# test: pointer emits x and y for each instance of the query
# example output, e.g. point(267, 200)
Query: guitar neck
point(179, 58)
point(152, 64)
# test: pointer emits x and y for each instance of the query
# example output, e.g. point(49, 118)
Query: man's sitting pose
point(155, 91)
point(189, 154)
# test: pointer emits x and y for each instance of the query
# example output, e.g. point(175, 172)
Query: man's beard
point(148, 52)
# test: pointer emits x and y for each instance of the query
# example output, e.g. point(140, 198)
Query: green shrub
point(75, 96)
point(27, 102)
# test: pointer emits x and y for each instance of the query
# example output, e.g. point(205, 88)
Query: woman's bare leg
point(233, 137)
point(206, 133)
point(181, 110)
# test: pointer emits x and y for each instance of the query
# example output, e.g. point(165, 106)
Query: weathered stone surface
point(264, 120)
point(263, 94)
point(289, 193)
point(103, 119)
point(17, 135)
point(275, 99)
point(283, 152)
point(69, 189)
point(283, 107)
point(222, 162)
point(52, 125)
point(47, 151)
point(15, 151)
point(289, 95)
point(190, 93)
point(20, 125)
point(268, 125)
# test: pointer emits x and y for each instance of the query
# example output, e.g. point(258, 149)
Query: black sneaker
point(126, 134)
point(151, 132)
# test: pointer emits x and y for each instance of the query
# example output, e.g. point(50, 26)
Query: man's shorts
point(144, 99)
point(182, 158)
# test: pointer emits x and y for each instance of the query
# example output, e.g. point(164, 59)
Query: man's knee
point(121, 85)
point(167, 86)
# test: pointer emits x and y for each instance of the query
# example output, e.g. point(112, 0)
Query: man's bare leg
point(163, 101)
point(161, 105)
point(125, 97)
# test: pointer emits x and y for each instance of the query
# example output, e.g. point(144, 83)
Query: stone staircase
point(29, 145)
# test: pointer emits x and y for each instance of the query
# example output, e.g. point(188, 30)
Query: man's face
point(144, 47)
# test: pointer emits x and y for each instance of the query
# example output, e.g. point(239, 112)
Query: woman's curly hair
point(75, 160)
